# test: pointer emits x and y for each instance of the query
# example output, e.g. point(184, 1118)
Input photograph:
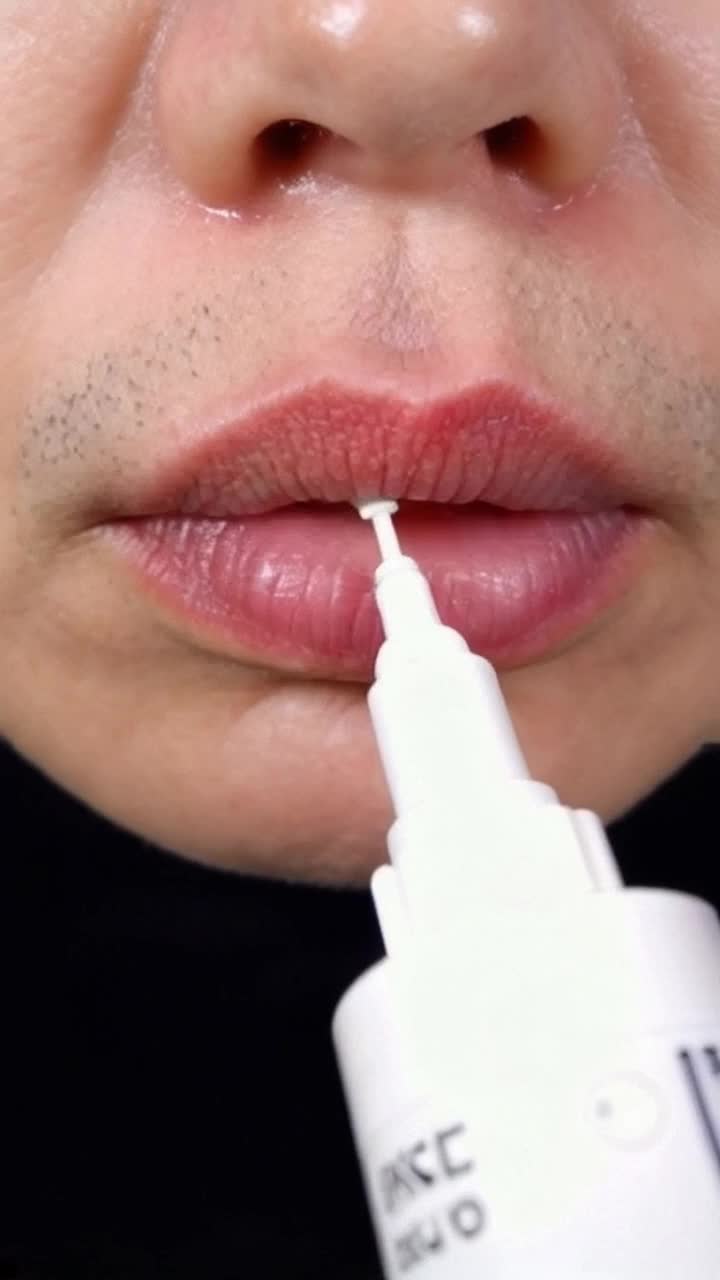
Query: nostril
point(287, 147)
point(286, 143)
point(515, 143)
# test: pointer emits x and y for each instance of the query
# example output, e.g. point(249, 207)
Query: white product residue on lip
point(342, 18)
point(304, 185)
point(474, 22)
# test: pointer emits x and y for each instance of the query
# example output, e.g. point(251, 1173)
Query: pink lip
point(327, 443)
point(236, 540)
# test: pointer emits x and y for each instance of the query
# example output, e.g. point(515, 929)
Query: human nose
point(386, 93)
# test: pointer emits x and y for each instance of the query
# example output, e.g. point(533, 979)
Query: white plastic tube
point(533, 1074)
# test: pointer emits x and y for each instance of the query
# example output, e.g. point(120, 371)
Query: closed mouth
point(523, 521)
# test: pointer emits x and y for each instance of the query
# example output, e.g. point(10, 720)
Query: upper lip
point(327, 442)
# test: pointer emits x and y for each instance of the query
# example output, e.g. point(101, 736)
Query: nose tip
point(385, 92)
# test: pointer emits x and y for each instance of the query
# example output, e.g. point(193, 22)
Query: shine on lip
point(237, 543)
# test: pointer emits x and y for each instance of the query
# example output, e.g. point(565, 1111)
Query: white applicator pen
point(533, 1073)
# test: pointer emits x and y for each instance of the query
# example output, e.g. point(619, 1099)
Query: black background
point(170, 1104)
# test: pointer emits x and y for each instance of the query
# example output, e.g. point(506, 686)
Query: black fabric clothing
point(170, 1103)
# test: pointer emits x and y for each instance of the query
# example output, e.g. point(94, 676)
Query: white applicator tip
point(373, 507)
point(381, 511)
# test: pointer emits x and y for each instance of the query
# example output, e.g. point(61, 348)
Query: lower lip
point(293, 588)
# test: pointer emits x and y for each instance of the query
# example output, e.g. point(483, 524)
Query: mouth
point(525, 523)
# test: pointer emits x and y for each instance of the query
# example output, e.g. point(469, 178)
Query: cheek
point(671, 55)
point(69, 70)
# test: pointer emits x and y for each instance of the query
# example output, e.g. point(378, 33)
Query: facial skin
point(151, 260)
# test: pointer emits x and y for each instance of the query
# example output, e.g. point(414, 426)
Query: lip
point(329, 443)
point(240, 537)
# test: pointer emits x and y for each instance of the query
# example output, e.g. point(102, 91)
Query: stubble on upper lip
point(103, 430)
